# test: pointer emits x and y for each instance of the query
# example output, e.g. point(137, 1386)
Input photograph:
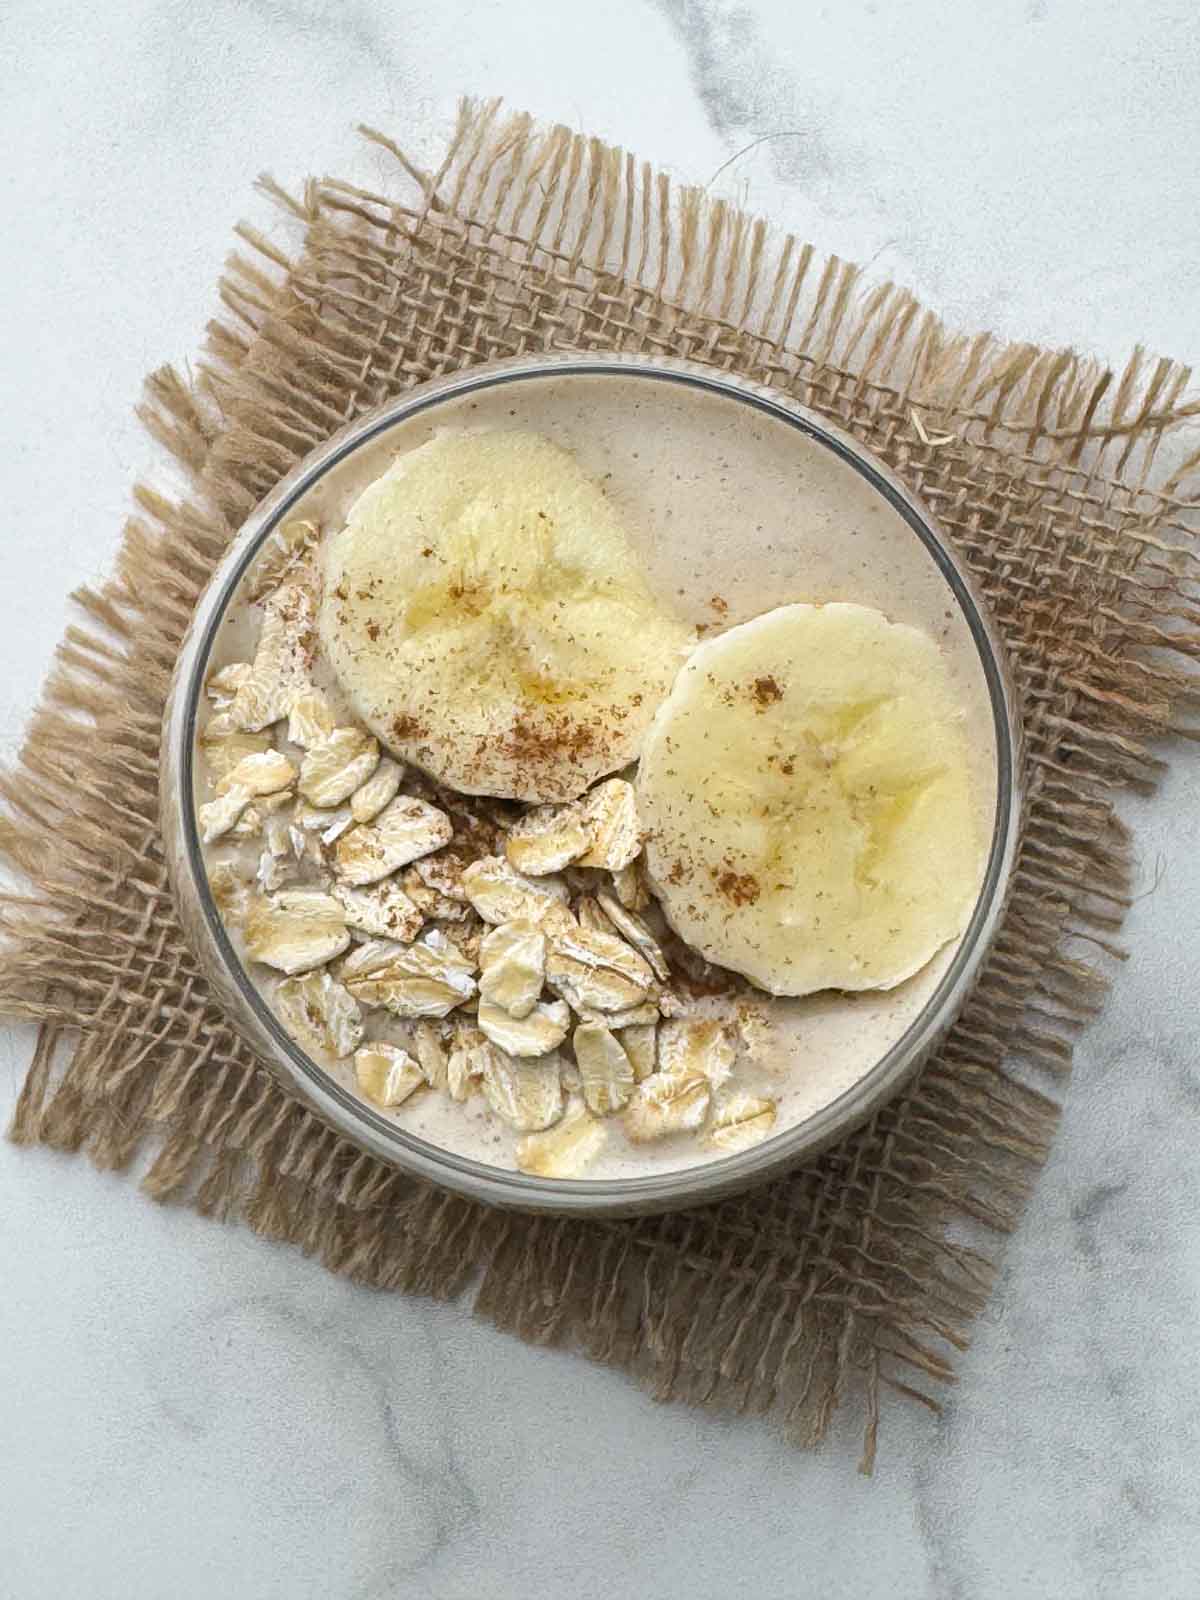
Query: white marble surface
point(187, 1411)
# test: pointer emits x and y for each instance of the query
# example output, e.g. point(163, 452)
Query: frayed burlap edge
point(1044, 469)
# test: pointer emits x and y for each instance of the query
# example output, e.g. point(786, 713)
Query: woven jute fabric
point(852, 1274)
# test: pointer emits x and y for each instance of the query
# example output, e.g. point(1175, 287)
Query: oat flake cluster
point(452, 945)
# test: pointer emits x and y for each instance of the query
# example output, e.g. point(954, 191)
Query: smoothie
point(732, 513)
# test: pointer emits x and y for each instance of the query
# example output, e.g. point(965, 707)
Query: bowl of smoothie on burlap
point(591, 783)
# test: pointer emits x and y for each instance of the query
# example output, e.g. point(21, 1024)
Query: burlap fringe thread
point(1042, 467)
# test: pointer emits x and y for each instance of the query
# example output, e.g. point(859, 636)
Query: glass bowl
point(818, 447)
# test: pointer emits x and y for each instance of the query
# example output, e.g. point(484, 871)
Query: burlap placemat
point(850, 1274)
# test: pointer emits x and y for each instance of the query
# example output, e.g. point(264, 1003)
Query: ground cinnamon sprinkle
point(532, 742)
point(741, 888)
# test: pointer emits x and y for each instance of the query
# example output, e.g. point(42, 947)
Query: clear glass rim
point(657, 1191)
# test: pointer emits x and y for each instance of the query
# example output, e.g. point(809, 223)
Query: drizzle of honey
point(436, 603)
point(544, 690)
point(433, 605)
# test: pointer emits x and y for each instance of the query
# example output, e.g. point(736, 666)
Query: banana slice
point(806, 795)
point(486, 615)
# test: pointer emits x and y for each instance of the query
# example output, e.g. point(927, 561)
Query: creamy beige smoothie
point(733, 513)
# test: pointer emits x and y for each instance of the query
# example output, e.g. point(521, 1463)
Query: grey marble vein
point(751, 101)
